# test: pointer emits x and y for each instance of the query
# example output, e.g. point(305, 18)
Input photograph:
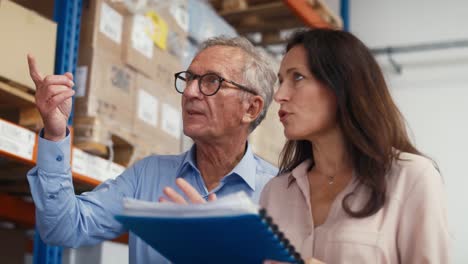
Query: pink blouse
point(410, 228)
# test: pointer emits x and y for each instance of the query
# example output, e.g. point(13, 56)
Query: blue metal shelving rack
point(67, 14)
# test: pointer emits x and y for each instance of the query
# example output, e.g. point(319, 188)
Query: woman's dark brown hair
point(373, 127)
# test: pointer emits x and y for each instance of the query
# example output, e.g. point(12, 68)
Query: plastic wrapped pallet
point(205, 23)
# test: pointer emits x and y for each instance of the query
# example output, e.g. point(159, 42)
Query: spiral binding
point(281, 237)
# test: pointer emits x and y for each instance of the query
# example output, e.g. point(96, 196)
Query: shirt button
point(52, 196)
point(59, 158)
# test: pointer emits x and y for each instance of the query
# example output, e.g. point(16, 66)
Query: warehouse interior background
point(421, 46)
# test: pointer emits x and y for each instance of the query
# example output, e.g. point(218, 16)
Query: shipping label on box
point(141, 31)
point(147, 106)
point(180, 14)
point(171, 120)
point(111, 23)
point(121, 78)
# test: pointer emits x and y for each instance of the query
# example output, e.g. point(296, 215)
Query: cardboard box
point(24, 31)
point(105, 89)
point(140, 52)
point(138, 48)
point(148, 97)
point(158, 120)
point(101, 27)
point(176, 17)
point(103, 138)
point(177, 13)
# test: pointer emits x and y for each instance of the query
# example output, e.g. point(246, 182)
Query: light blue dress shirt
point(70, 220)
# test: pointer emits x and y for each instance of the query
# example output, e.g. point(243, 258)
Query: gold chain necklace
point(331, 179)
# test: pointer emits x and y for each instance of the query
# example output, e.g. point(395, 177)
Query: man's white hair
point(259, 72)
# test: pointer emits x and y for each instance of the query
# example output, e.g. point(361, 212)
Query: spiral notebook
point(232, 229)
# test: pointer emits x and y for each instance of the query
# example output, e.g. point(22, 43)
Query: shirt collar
point(299, 172)
point(246, 169)
point(188, 162)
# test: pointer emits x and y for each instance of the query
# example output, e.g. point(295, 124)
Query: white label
point(116, 170)
point(95, 167)
point(111, 23)
point(147, 108)
point(171, 121)
point(141, 41)
point(81, 75)
point(17, 140)
point(180, 14)
point(80, 162)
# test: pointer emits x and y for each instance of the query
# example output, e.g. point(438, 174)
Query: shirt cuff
point(54, 156)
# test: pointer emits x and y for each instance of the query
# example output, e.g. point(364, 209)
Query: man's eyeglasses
point(208, 83)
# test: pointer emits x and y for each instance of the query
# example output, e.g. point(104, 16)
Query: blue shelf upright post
point(344, 11)
point(67, 14)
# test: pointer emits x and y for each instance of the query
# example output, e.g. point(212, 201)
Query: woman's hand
point(190, 192)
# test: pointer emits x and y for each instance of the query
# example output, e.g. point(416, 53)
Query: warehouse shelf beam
point(17, 210)
point(307, 11)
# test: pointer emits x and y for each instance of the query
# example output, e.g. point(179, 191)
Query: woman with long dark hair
point(352, 187)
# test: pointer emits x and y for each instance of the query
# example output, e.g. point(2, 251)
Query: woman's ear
point(254, 108)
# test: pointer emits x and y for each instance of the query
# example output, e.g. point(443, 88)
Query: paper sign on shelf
point(17, 140)
point(147, 108)
point(171, 121)
point(80, 162)
point(95, 167)
point(111, 23)
point(116, 170)
point(81, 75)
point(141, 32)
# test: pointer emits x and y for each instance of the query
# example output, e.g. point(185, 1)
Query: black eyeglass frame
point(221, 80)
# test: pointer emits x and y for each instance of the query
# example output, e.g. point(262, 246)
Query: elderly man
point(226, 92)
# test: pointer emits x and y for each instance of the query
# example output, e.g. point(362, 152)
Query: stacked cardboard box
point(125, 78)
point(24, 31)
point(153, 45)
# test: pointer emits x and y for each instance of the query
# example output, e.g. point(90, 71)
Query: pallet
point(103, 138)
point(17, 105)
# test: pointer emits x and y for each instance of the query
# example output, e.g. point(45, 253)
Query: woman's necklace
point(331, 179)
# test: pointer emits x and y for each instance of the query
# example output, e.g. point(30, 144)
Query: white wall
point(432, 91)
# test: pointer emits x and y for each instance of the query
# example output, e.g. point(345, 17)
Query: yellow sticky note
point(160, 30)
